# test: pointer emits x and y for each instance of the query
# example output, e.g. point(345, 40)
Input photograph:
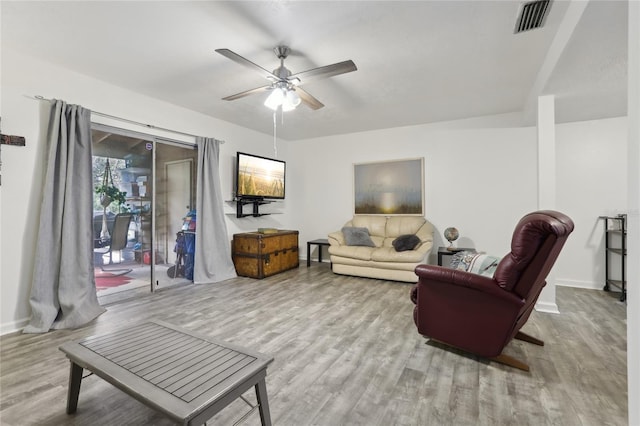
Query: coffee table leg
point(75, 378)
point(263, 403)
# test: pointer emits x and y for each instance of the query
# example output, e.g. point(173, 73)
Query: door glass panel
point(175, 202)
point(122, 231)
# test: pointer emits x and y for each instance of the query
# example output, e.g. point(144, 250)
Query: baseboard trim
point(547, 307)
point(13, 326)
point(590, 285)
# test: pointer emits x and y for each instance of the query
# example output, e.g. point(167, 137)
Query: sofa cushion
point(357, 236)
point(375, 224)
point(406, 242)
point(389, 254)
point(402, 225)
point(352, 252)
point(372, 264)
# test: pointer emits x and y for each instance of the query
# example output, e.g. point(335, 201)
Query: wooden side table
point(319, 242)
point(445, 255)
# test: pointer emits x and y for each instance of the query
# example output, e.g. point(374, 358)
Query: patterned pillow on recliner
point(477, 263)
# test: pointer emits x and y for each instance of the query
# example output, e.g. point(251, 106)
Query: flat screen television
point(259, 177)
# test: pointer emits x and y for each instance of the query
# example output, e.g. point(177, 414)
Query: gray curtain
point(213, 249)
point(63, 291)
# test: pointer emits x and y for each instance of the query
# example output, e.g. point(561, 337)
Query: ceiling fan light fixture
point(287, 106)
point(282, 83)
point(282, 96)
point(274, 100)
point(293, 98)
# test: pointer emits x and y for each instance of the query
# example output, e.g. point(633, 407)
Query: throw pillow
point(355, 236)
point(477, 263)
point(406, 242)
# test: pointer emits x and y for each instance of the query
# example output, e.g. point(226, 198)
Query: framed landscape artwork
point(389, 188)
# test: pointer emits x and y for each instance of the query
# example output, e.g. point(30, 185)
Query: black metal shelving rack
point(616, 225)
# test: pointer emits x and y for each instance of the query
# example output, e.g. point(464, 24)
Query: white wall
point(591, 182)
point(479, 180)
point(633, 179)
point(22, 167)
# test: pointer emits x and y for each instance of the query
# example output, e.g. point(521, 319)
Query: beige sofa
point(382, 261)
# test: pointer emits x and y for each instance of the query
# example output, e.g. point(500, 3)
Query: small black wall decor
point(10, 139)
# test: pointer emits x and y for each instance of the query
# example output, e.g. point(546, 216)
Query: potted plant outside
point(108, 193)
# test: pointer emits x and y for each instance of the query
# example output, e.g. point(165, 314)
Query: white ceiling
point(418, 61)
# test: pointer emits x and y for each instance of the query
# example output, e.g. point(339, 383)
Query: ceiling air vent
point(532, 15)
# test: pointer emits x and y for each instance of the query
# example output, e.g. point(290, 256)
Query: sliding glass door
point(143, 237)
point(123, 213)
point(175, 203)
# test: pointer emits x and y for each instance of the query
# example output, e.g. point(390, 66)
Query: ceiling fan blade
point(308, 100)
point(247, 63)
point(247, 93)
point(326, 71)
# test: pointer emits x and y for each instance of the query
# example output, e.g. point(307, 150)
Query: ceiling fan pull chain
point(275, 147)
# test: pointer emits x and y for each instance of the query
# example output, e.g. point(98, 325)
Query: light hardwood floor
point(346, 353)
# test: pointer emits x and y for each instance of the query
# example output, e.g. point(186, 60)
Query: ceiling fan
point(284, 86)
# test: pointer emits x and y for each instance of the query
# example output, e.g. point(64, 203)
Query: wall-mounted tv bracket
point(240, 202)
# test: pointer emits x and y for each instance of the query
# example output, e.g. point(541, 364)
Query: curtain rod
point(126, 120)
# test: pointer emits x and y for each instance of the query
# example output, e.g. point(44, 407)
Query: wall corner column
point(546, 126)
point(633, 214)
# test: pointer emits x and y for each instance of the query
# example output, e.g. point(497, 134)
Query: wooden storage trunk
point(258, 255)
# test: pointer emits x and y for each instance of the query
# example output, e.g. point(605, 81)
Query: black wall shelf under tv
point(257, 202)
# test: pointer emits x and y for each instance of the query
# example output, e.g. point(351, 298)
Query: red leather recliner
point(479, 314)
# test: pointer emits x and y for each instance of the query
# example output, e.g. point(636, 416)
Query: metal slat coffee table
point(185, 376)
